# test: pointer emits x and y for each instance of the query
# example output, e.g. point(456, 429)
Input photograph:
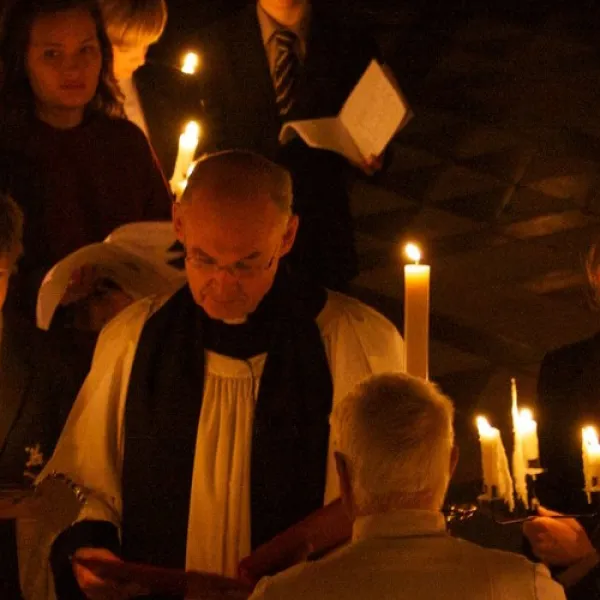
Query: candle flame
point(526, 422)
point(590, 436)
point(483, 426)
point(412, 251)
point(192, 129)
point(190, 63)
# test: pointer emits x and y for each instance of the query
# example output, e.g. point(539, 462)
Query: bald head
point(239, 179)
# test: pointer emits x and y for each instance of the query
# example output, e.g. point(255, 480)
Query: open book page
point(327, 133)
point(374, 111)
point(134, 257)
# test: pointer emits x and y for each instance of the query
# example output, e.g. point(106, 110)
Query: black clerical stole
point(290, 427)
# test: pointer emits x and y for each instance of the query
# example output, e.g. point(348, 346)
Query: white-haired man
point(395, 455)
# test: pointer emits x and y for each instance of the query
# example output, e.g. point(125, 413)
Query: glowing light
point(190, 63)
point(413, 252)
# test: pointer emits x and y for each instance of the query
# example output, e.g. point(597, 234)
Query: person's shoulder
point(340, 307)
point(304, 579)
point(127, 325)
point(572, 355)
point(118, 129)
point(498, 563)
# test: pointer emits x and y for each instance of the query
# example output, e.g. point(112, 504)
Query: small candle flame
point(412, 251)
point(190, 63)
point(525, 421)
point(191, 135)
point(483, 426)
point(590, 436)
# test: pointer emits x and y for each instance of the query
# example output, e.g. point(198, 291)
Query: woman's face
point(63, 62)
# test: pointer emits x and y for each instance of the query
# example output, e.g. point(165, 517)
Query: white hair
point(396, 435)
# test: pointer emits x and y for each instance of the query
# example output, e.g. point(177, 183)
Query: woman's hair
point(16, 20)
point(134, 21)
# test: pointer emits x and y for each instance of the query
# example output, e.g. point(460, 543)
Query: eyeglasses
point(239, 270)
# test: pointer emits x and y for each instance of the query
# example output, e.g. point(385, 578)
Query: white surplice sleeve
point(359, 342)
point(90, 448)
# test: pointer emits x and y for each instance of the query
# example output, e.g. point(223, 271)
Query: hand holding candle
point(416, 314)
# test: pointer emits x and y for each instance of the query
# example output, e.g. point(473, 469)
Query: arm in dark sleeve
point(85, 534)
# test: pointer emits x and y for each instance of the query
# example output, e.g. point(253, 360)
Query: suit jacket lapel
point(14, 376)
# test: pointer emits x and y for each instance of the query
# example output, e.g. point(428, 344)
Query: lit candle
point(519, 466)
point(190, 63)
point(416, 314)
point(529, 439)
point(590, 448)
point(188, 143)
point(497, 481)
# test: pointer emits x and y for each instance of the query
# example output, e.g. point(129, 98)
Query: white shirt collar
point(400, 523)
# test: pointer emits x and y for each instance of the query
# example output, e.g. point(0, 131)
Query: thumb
point(546, 512)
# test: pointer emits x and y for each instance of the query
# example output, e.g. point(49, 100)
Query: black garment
point(242, 113)
point(37, 389)
point(75, 186)
point(169, 99)
point(290, 424)
point(569, 398)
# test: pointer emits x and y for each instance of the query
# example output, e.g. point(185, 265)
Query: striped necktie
point(286, 69)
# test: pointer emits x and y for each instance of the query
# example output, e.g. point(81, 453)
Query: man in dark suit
point(37, 389)
point(284, 60)
point(158, 98)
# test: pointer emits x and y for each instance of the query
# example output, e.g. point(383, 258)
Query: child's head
point(11, 234)
point(132, 26)
point(56, 59)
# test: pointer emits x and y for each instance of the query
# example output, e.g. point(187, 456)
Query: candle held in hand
point(416, 314)
point(496, 475)
point(188, 143)
point(529, 438)
point(590, 449)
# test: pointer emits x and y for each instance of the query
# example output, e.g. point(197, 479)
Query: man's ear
point(290, 234)
point(177, 216)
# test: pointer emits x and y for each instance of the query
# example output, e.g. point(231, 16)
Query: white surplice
point(358, 342)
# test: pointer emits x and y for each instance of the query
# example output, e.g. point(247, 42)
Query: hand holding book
point(373, 113)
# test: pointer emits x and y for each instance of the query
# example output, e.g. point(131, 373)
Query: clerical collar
point(288, 297)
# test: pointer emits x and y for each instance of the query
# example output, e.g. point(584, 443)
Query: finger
point(546, 512)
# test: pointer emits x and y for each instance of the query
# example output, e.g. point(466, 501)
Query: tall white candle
point(529, 438)
point(496, 474)
point(590, 449)
point(416, 314)
point(188, 143)
point(519, 468)
point(190, 63)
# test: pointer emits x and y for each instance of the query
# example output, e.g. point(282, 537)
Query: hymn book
point(136, 257)
point(373, 113)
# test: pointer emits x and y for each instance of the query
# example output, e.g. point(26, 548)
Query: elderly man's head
point(235, 221)
point(394, 442)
